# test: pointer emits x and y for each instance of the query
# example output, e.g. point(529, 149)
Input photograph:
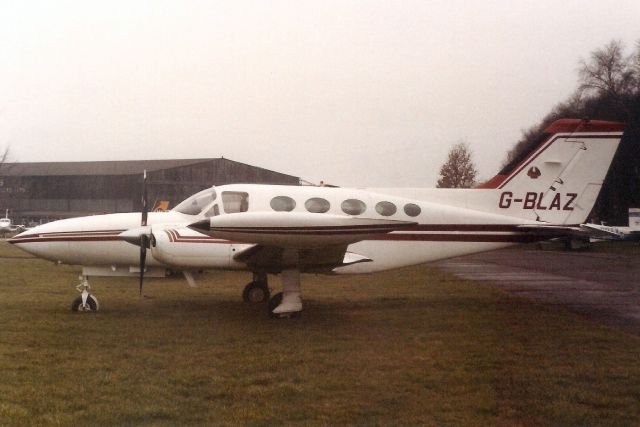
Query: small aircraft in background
point(7, 226)
point(606, 232)
point(268, 229)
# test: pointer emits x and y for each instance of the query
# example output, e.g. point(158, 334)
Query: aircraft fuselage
point(440, 231)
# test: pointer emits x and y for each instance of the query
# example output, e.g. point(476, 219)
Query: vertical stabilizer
point(559, 178)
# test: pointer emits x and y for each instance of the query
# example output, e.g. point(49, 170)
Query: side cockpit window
point(196, 203)
point(213, 211)
point(235, 201)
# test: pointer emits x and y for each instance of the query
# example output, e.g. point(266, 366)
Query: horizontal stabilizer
point(603, 232)
point(584, 231)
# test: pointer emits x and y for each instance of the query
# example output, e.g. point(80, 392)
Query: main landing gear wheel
point(274, 302)
point(256, 292)
point(92, 304)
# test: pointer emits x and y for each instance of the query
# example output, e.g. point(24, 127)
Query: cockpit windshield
point(196, 203)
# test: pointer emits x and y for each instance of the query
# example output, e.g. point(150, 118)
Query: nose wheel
point(90, 304)
point(86, 301)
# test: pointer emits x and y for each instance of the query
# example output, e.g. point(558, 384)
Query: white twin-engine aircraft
point(288, 230)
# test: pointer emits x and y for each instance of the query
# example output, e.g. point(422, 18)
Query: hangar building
point(41, 192)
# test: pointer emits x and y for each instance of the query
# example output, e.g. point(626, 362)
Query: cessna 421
point(288, 230)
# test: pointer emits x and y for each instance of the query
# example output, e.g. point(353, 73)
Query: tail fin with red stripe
point(559, 178)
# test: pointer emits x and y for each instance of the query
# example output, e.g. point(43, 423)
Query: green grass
point(7, 250)
point(406, 347)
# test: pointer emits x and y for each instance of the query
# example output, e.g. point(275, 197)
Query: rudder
point(558, 180)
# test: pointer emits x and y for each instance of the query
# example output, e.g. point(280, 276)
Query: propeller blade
point(145, 207)
point(144, 241)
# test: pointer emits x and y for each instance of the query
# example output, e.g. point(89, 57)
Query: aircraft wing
point(317, 260)
point(320, 240)
point(296, 230)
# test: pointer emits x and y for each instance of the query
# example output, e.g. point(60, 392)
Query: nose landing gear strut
point(86, 301)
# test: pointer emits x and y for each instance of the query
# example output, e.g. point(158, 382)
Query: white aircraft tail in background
point(7, 226)
point(605, 232)
point(548, 192)
point(634, 219)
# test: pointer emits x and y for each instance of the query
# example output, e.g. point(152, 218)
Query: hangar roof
point(115, 167)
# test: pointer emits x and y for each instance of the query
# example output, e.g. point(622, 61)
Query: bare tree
point(4, 156)
point(635, 64)
point(458, 171)
point(608, 72)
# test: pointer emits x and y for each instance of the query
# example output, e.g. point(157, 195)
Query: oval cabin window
point(283, 204)
point(317, 205)
point(386, 208)
point(412, 209)
point(353, 207)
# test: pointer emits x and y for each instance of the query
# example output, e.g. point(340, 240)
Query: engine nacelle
point(187, 249)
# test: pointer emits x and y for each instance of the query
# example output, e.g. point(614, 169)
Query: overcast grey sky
point(358, 93)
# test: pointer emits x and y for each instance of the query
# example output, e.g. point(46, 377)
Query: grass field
point(406, 347)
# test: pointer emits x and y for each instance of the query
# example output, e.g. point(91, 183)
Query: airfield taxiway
point(601, 286)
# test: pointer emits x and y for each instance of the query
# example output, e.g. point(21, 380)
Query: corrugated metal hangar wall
point(40, 192)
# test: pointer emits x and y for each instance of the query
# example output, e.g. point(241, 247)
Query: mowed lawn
point(406, 347)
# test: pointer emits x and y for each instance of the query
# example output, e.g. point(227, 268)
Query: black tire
point(91, 302)
point(256, 292)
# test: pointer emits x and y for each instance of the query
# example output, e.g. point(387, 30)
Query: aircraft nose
point(22, 237)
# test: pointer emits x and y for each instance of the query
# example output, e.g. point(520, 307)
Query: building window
point(235, 201)
point(353, 207)
point(386, 208)
point(283, 204)
point(412, 209)
point(317, 205)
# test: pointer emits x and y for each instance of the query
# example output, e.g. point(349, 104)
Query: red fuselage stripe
point(439, 233)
